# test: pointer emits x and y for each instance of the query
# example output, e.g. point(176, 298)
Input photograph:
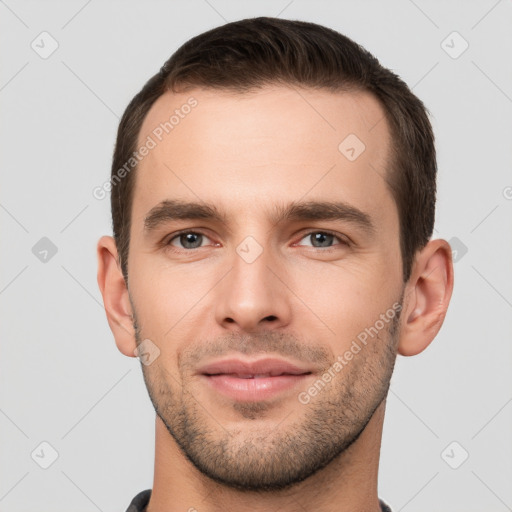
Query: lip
point(253, 380)
point(270, 366)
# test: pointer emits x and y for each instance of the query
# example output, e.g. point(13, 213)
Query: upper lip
point(267, 367)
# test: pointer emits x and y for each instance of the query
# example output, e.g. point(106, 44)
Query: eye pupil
point(321, 238)
point(190, 238)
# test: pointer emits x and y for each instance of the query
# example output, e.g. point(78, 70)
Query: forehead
point(267, 146)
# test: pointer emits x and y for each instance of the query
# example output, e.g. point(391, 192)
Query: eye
point(324, 239)
point(187, 239)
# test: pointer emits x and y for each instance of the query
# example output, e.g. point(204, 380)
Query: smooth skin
point(305, 302)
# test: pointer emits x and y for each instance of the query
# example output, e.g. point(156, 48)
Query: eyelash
point(343, 241)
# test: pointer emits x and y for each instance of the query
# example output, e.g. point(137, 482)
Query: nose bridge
point(252, 295)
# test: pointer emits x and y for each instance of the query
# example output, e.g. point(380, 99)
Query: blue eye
point(323, 239)
point(188, 239)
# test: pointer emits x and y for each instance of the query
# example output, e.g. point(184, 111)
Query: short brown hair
point(248, 54)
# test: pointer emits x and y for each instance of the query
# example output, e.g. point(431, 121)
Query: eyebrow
point(176, 209)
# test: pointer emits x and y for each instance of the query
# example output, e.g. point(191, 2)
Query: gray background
point(62, 379)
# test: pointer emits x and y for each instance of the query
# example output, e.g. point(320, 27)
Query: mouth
point(253, 376)
point(251, 381)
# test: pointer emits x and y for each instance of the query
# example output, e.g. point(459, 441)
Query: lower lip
point(253, 390)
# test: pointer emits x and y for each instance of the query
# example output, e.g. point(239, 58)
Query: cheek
point(168, 299)
point(343, 300)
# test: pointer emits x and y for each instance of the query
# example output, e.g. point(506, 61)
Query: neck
point(347, 484)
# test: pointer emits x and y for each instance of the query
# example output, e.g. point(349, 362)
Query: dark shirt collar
point(139, 503)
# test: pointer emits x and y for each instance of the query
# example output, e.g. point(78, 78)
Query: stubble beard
point(303, 441)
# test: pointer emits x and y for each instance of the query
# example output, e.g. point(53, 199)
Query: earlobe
point(427, 296)
point(115, 296)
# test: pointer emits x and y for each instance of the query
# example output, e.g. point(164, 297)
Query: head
point(277, 199)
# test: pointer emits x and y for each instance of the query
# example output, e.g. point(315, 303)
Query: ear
point(115, 296)
point(426, 298)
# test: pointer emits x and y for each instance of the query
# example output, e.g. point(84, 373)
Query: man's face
point(256, 285)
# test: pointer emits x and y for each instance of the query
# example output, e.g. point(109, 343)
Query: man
point(273, 197)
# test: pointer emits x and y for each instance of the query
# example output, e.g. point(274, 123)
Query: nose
point(254, 295)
